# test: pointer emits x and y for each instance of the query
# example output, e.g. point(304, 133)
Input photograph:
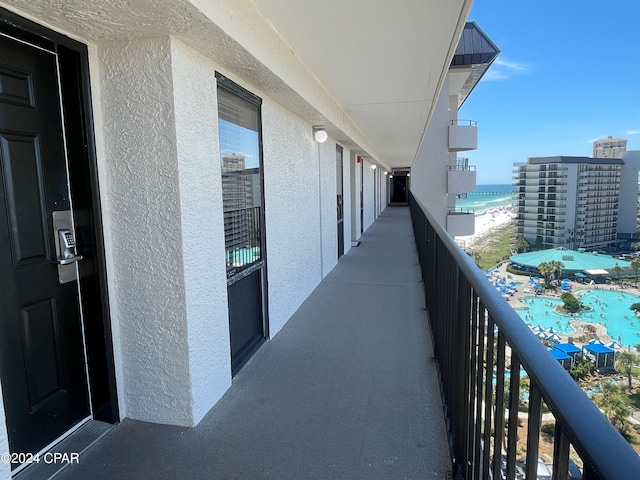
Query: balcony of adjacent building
point(403, 363)
point(461, 177)
point(463, 135)
point(461, 221)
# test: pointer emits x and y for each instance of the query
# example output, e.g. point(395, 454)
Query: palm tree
point(625, 363)
point(546, 269)
point(557, 268)
point(521, 244)
point(617, 268)
point(635, 265)
point(613, 404)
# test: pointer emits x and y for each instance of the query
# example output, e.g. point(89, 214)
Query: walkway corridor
point(346, 390)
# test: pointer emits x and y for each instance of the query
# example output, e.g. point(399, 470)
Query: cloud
point(504, 69)
point(633, 132)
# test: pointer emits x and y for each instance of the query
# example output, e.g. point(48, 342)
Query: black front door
point(399, 188)
point(340, 200)
point(42, 358)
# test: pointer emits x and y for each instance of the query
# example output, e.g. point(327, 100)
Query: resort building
point(439, 176)
point(574, 201)
point(609, 147)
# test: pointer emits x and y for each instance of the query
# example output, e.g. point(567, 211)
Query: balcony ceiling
point(382, 61)
point(370, 70)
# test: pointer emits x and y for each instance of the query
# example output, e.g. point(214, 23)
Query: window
point(241, 160)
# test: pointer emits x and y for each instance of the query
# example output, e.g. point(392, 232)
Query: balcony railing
point(473, 328)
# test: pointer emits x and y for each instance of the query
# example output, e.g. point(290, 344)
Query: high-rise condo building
point(575, 201)
point(609, 147)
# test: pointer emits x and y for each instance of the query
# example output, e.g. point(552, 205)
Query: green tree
point(521, 244)
point(635, 246)
point(618, 269)
point(613, 403)
point(557, 268)
point(624, 364)
point(580, 370)
point(546, 269)
point(635, 266)
point(635, 307)
point(477, 258)
point(571, 303)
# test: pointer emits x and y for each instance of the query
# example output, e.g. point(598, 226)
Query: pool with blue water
point(608, 307)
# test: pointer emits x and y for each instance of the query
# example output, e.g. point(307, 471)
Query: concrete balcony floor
point(347, 389)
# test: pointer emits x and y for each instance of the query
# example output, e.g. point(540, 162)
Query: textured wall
point(200, 185)
point(368, 190)
point(429, 170)
point(292, 213)
point(142, 179)
point(329, 218)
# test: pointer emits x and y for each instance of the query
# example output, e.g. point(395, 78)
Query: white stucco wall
point(368, 194)
point(329, 219)
point(429, 171)
point(292, 215)
point(144, 209)
point(354, 197)
point(200, 189)
point(346, 197)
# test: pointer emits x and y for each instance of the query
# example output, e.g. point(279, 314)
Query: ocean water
point(489, 196)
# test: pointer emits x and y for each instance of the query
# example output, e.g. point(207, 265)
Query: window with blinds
point(239, 127)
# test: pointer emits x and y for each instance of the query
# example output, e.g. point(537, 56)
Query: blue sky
point(568, 74)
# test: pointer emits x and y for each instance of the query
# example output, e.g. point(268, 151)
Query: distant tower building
point(240, 188)
point(609, 147)
point(574, 201)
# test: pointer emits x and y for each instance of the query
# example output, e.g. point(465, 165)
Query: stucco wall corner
point(144, 214)
point(202, 226)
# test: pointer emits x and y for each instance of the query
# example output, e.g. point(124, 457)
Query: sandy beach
point(484, 222)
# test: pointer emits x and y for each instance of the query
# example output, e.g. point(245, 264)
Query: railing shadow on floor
point(481, 345)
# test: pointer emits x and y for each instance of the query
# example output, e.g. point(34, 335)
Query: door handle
point(67, 252)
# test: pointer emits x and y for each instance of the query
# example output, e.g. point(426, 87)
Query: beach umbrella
point(536, 329)
point(566, 280)
point(614, 345)
point(551, 330)
point(554, 337)
point(580, 275)
point(537, 286)
point(542, 334)
point(536, 279)
point(596, 341)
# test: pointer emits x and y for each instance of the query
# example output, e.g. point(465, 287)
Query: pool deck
point(600, 330)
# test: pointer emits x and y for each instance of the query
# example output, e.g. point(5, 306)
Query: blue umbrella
point(538, 287)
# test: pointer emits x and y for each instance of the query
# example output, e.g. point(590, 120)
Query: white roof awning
point(597, 271)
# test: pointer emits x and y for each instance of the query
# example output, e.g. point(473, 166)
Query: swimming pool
point(609, 307)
